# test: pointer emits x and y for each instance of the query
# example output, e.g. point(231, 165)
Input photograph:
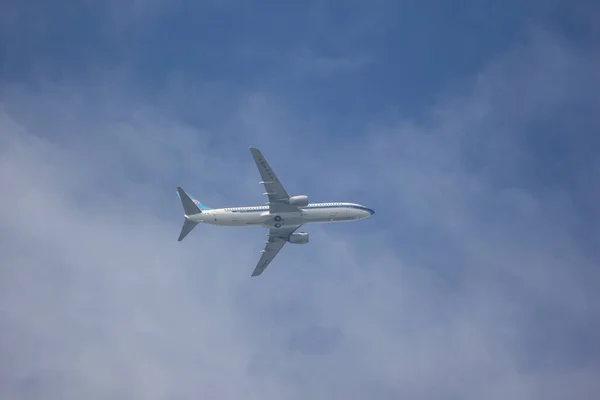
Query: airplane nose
point(364, 212)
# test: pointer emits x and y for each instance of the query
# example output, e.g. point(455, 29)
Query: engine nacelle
point(298, 201)
point(298, 238)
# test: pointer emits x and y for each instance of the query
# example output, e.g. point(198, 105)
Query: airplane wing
point(274, 189)
point(277, 239)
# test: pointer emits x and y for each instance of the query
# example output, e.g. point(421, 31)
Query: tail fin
point(181, 193)
point(190, 207)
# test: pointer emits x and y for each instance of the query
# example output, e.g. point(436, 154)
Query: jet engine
point(298, 238)
point(298, 201)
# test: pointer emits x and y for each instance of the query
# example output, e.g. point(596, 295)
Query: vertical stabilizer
point(189, 208)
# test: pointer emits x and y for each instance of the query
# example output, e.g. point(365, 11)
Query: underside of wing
point(277, 239)
point(275, 191)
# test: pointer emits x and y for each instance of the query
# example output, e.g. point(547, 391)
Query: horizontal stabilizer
point(187, 228)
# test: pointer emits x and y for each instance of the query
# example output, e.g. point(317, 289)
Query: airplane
point(282, 215)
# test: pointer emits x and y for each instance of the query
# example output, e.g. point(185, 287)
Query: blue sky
point(470, 128)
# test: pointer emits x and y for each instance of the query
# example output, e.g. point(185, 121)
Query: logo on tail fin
point(199, 204)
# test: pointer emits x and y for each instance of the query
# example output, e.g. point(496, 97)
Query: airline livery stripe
point(310, 207)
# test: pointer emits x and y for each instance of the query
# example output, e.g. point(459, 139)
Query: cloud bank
point(475, 279)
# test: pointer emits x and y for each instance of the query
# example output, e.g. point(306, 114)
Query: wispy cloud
point(309, 64)
point(475, 279)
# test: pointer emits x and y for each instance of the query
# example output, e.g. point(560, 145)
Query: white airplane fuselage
point(260, 215)
point(282, 215)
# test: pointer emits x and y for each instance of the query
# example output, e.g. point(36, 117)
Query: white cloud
point(439, 297)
